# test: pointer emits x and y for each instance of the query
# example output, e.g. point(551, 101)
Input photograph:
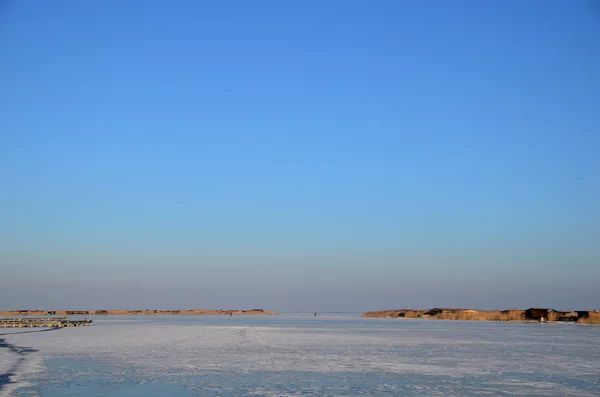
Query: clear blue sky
point(300, 155)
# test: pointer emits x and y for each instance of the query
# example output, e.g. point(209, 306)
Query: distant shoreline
point(20, 313)
point(532, 314)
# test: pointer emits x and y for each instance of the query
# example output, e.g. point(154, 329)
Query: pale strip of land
point(533, 314)
point(19, 313)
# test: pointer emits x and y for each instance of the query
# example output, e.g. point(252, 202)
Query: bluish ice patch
point(70, 377)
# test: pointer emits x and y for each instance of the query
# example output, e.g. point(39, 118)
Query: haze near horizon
point(299, 156)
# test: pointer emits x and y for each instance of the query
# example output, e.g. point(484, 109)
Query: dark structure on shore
point(536, 314)
point(556, 315)
point(583, 314)
point(409, 313)
point(436, 311)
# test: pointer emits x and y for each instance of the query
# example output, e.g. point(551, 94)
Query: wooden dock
point(45, 322)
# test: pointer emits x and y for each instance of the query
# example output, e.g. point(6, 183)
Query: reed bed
point(593, 318)
point(474, 316)
point(484, 315)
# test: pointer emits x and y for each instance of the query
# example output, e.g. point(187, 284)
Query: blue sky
point(340, 155)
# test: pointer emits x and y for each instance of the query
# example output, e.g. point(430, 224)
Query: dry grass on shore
point(594, 318)
point(477, 315)
point(473, 316)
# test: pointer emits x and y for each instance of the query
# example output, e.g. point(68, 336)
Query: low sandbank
point(14, 313)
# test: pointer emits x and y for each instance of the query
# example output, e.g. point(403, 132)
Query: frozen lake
point(293, 355)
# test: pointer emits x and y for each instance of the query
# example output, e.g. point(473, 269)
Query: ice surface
point(16, 362)
point(332, 355)
point(8, 360)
